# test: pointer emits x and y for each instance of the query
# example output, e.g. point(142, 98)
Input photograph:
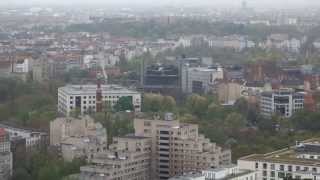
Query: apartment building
point(301, 161)
point(128, 158)
point(199, 79)
point(178, 148)
point(78, 138)
point(282, 102)
point(83, 97)
point(5, 155)
point(33, 139)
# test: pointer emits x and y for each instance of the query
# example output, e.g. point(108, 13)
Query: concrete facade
point(128, 158)
point(178, 148)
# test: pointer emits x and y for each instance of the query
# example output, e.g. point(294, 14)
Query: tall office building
point(178, 148)
point(282, 102)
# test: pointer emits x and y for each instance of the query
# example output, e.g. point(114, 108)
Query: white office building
point(283, 102)
point(83, 97)
point(301, 161)
point(231, 172)
point(199, 79)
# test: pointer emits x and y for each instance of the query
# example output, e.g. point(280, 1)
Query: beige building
point(128, 158)
point(228, 92)
point(78, 137)
point(301, 161)
point(178, 148)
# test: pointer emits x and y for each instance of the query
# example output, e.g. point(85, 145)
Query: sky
point(253, 3)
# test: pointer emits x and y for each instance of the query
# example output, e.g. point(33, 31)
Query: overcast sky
point(274, 3)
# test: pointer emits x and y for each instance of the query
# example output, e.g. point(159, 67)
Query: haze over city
point(281, 4)
point(159, 90)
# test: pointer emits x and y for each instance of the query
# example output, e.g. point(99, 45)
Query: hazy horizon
point(231, 3)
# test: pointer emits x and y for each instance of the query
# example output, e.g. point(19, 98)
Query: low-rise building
point(231, 172)
point(199, 79)
point(33, 139)
point(228, 92)
point(83, 97)
point(128, 158)
point(78, 138)
point(189, 176)
point(301, 161)
point(5, 155)
point(282, 102)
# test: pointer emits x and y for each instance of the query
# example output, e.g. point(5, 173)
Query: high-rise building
point(301, 161)
point(83, 97)
point(128, 158)
point(282, 102)
point(178, 148)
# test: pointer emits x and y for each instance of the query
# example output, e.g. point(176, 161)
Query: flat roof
point(286, 156)
point(92, 88)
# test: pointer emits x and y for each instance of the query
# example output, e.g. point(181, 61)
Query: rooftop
point(92, 88)
point(287, 156)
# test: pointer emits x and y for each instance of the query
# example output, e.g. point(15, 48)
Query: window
point(280, 175)
point(281, 167)
point(314, 169)
point(272, 174)
point(290, 168)
point(272, 167)
point(306, 169)
point(147, 123)
point(264, 173)
point(297, 168)
point(257, 165)
point(265, 165)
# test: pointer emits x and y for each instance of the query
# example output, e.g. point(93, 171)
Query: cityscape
point(168, 90)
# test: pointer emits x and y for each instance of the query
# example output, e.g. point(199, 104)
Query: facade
point(282, 102)
point(228, 92)
point(231, 172)
point(128, 158)
point(301, 161)
point(78, 138)
point(83, 97)
point(199, 79)
point(5, 155)
point(190, 176)
point(33, 139)
point(178, 148)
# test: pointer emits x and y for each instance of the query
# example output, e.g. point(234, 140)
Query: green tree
point(197, 105)
point(124, 104)
point(168, 104)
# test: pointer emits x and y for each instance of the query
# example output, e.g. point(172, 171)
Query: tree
point(197, 105)
point(124, 104)
point(152, 103)
point(168, 104)
point(21, 174)
point(234, 122)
